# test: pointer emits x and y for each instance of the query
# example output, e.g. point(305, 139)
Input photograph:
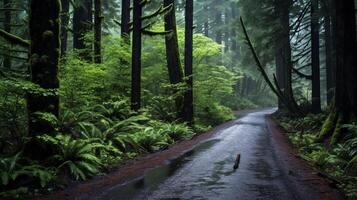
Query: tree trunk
point(218, 24)
point(7, 28)
point(44, 57)
point(330, 71)
point(280, 75)
point(234, 47)
point(125, 19)
point(315, 57)
point(136, 57)
point(97, 31)
point(283, 53)
point(206, 24)
point(173, 54)
point(346, 88)
point(227, 31)
point(188, 98)
point(82, 24)
point(345, 105)
point(65, 17)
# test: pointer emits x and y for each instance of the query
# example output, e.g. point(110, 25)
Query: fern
point(74, 156)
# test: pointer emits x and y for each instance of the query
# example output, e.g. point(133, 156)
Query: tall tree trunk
point(45, 41)
point(206, 23)
point(346, 88)
point(218, 24)
point(345, 106)
point(188, 98)
point(283, 52)
point(125, 19)
point(82, 24)
point(330, 71)
point(136, 57)
point(280, 75)
point(235, 15)
point(315, 57)
point(65, 16)
point(227, 21)
point(173, 54)
point(7, 4)
point(97, 31)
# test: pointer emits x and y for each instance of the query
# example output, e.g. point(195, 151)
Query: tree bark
point(64, 25)
point(44, 57)
point(330, 71)
point(82, 24)
point(235, 15)
point(188, 97)
point(345, 106)
point(315, 57)
point(206, 24)
point(97, 31)
point(346, 88)
point(125, 19)
point(218, 23)
point(283, 52)
point(173, 54)
point(136, 57)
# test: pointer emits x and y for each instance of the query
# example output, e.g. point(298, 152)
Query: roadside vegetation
point(334, 161)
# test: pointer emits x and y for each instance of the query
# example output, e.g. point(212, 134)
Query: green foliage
point(339, 160)
point(74, 156)
point(15, 168)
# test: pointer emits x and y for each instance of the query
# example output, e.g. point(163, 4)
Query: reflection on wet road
point(206, 172)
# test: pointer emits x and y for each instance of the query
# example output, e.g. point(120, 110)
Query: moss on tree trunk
point(44, 29)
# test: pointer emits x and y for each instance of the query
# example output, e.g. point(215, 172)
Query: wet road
point(206, 172)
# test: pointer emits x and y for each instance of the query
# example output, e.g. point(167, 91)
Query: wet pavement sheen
point(206, 172)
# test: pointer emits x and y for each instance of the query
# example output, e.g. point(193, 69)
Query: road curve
point(206, 171)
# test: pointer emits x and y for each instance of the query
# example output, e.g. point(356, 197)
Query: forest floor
point(202, 168)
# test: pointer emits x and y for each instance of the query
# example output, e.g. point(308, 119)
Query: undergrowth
point(337, 162)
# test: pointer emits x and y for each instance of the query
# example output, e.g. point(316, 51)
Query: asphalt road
point(206, 171)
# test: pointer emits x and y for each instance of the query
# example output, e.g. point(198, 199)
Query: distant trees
point(98, 31)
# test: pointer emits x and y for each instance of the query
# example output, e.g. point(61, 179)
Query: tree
point(125, 19)
point(315, 57)
point(82, 24)
point(345, 106)
point(283, 53)
point(65, 17)
point(173, 54)
point(97, 31)
point(188, 97)
point(330, 61)
point(44, 57)
point(136, 57)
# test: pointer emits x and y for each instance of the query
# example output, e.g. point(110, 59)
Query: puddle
point(154, 177)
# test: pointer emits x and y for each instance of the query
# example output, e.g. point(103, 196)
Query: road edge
point(301, 177)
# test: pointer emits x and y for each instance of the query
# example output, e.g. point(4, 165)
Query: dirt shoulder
point(302, 178)
point(131, 169)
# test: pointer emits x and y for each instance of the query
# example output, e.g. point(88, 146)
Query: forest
point(91, 88)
